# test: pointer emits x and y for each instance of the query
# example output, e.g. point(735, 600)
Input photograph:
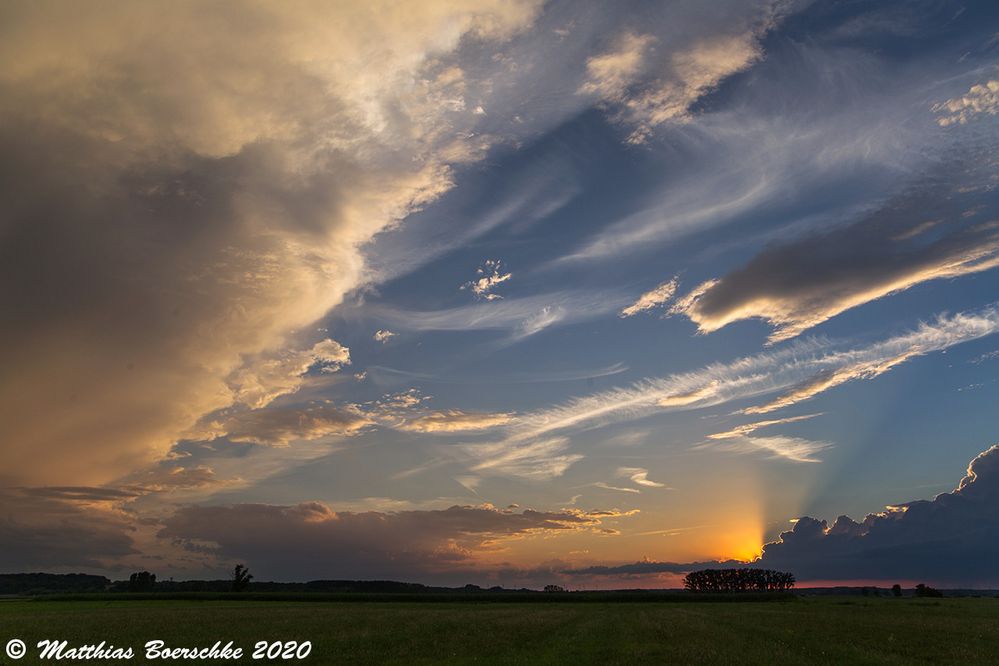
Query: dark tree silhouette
point(927, 591)
point(554, 588)
point(141, 581)
point(241, 578)
point(738, 580)
point(896, 590)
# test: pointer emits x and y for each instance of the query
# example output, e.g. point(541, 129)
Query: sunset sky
point(500, 292)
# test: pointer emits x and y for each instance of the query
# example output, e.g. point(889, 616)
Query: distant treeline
point(41, 583)
point(738, 580)
point(144, 582)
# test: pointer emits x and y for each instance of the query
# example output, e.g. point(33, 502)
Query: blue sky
point(503, 292)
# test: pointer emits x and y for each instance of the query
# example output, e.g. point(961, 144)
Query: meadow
point(804, 630)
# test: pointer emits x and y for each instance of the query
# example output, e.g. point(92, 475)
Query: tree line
point(738, 580)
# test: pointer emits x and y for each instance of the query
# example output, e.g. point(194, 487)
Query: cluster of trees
point(141, 581)
point(738, 580)
point(927, 591)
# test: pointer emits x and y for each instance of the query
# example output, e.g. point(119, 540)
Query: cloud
point(540, 459)
point(748, 428)
point(279, 426)
point(81, 493)
point(454, 420)
point(182, 198)
point(980, 98)
point(491, 274)
point(47, 528)
point(798, 285)
point(803, 370)
point(311, 540)
point(605, 486)
point(609, 75)
point(794, 449)
point(269, 376)
point(650, 300)
point(646, 87)
point(952, 539)
point(521, 317)
point(383, 335)
point(639, 476)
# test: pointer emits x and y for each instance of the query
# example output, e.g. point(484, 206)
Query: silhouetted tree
point(738, 580)
point(554, 588)
point(241, 578)
point(896, 590)
point(141, 581)
point(927, 591)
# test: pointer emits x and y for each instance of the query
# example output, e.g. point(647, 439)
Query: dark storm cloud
point(310, 540)
point(39, 532)
point(185, 189)
point(952, 539)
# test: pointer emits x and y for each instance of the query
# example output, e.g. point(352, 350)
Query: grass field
point(809, 630)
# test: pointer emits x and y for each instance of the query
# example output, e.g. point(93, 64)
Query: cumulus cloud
point(182, 197)
point(263, 379)
point(980, 98)
point(650, 300)
point(490, 275)
point(383, 335)
point(952, 539)
point(311, 540)
point(798, 285)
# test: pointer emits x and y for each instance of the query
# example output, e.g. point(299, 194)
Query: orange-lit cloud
point(204, 192)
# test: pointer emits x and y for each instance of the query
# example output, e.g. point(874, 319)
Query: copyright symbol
point(16, 648)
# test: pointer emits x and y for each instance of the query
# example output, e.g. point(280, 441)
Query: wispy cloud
point(453, 420)
point(650, 300)
point(807, 368)
point(749, 428)
point(639, 476)
point(795, 449)
point(519, 316)
point(607, 486)
point(540, 459)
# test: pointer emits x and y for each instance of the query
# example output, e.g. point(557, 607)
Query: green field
point(808, 630)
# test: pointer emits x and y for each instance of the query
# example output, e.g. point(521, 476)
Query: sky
point(500, 292)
